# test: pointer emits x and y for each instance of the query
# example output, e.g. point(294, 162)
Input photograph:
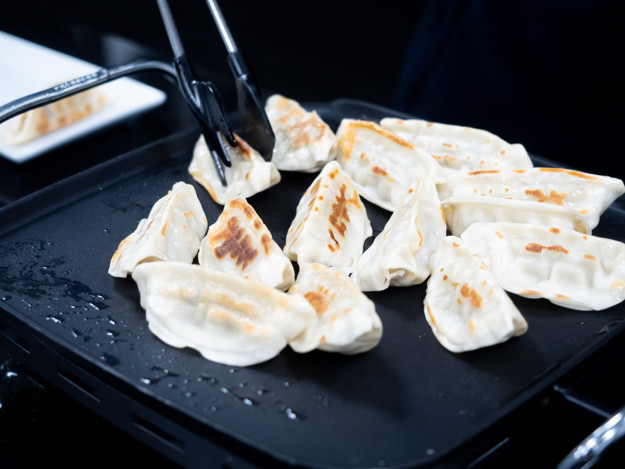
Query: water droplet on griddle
point(110, 359)
point(242, 399)
point(292, 415)
point(208, 379)
point(55, 318)
point(430, 451)
point(165, 373)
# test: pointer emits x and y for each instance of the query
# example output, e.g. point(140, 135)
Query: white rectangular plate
point(26, 67)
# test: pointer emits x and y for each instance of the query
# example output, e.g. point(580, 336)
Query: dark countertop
point(312, 54)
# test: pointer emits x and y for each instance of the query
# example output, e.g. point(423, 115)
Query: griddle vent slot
point(158, 433)
point(14, 339)
point(79, 385)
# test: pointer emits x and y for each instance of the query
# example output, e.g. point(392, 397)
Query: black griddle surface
point(406, 403)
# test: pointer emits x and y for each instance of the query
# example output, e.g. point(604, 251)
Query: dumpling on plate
point(54, 116)
point(400, 254)
point(459, 149)
point(171, 232)
point(226, 318)
point(566, 267)
point(248, 175)
point(240, 243)
point(462, 212)
point(346, 319)
point(381, 164)
point(589, 194)
point(464, 305)
point(304, 142)
point(330, 224)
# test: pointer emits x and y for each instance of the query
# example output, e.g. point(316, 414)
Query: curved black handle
point(83, 83)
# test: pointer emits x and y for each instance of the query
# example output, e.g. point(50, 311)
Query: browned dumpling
point(171, 232)
point(304, 142)
point(381, 164)
point(346, 320)
point(226, 318)
point(459, 149)
point(331, 222)
point(248, 175)
point(240, 243)
point(566, 267)
point(464, 305)
point(588, 194)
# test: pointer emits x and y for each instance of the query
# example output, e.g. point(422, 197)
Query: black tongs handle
point(79, 84)
point(202, 97)
point(255, 126)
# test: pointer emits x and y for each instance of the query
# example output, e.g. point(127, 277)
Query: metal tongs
point(202, 97)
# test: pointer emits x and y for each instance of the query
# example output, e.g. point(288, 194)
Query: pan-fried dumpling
point(566, 267)
point(304, 142)
point(400, 254)
point(248, 175)
point(228, 319)
point(346, 319)
point(172, 232)
point(240, 243)
point(464, 305)
point(462, 212)
point(458, 148)
point(331, 222)
point(382, 165)
point(54, 116)
point(589, 194)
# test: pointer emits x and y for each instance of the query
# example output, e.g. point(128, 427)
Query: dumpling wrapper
point(227, 319)
point(330, 224)
point(382, 165)
point(400, 254)
point(460, 149)
point(248, 175)
point(568, 268)
point(304, 142)
point(172, 232)
point(464, 305)
point(462, 212)
point(239, 243)
point(346, 319)
point(589, 194)
point(43, 120)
